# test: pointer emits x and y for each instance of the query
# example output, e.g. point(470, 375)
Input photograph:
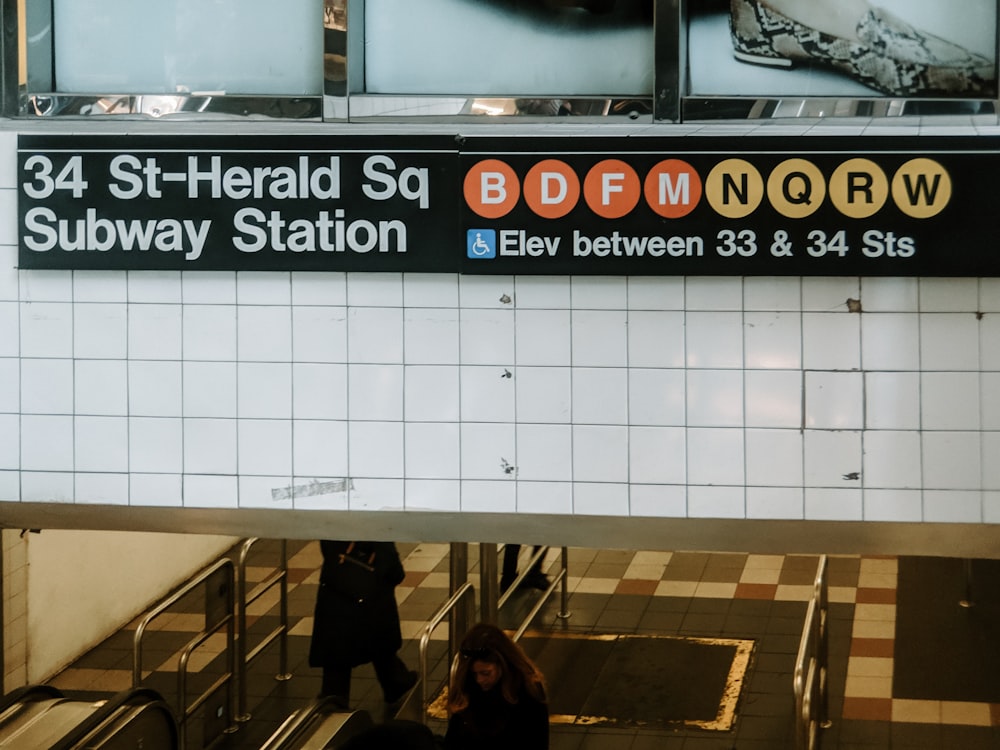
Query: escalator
point(40, 716)
point(321, 725)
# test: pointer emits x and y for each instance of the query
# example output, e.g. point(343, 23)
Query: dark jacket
point(491, 723)
point(349, 630)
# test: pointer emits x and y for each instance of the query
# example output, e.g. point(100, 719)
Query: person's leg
point(536, 578)
point(508, 571)
point(337, 684)
point(394, 677)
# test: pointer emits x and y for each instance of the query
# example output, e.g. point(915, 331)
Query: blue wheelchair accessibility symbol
point(481, 243)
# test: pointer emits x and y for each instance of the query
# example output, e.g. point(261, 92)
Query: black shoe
point(536, 579)
point(334, 702)
point(398, 691)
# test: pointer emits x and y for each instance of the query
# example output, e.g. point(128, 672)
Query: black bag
point(355, 574)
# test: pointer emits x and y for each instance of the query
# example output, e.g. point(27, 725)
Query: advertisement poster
point(541, 48)
point(843, 48)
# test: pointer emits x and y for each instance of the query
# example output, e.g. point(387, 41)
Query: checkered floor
point(703, 594)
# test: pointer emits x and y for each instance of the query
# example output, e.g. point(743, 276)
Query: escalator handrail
point(298, 722)
point(29, 693)
point(130, 697)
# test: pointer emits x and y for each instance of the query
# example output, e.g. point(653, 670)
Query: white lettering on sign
point(94, 233)
point(132, 177)
point(259, 230)
point(620, 245)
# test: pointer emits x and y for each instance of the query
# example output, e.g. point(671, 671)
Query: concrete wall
point(65, 591)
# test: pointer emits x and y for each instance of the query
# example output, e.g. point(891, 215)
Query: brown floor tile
point(868, 709)
point(414, 579)
point(298, 575)
point(876, 596)
point(636, 586)
point(764, 591)
point(880, 647)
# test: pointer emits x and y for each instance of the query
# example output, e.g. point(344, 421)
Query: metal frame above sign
point(672, 91)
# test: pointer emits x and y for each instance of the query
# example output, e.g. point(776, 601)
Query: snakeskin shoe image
point(889, 55)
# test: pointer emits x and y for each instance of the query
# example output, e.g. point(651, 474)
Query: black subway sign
point(752, 205)
point(268, 204)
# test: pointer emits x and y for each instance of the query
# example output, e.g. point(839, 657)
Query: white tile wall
point(703, 397)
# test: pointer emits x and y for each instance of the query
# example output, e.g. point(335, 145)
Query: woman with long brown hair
point(497, 697)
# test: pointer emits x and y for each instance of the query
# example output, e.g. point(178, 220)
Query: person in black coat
point(356, 619)
point(497, 698)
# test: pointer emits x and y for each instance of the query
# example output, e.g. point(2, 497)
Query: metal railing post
point(465, 590)
point(810, 679)
point(489, 586)
point(458, 576)
point(245, 657)
point(227, 618)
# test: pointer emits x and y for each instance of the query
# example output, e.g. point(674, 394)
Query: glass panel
point(527, 48)
point(243, 47)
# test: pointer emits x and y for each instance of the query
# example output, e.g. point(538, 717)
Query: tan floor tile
point(676, 588)
point(712, 590)
point(875, 612)
point(267, 601)
point(878, 580)
point(309, 556)
point(645, 571)
point(879, 566)
point(869, 666)
point(760, 575)
point(765, 562)
point(874, 629)
point(916, 712)
point(786, 593)
point(595, 586)
point(303, 627)
point(313, 577)
point(257, 573)
point(966, 714)
point(168, 665)
point(842, 594)
point(652, 558)
point(868, 687)
point(436, 581)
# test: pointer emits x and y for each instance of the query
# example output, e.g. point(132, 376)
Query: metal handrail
point(466, 589)
point(810, 680)
point(243, 658)
point(561, 578)
point(223, 564)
